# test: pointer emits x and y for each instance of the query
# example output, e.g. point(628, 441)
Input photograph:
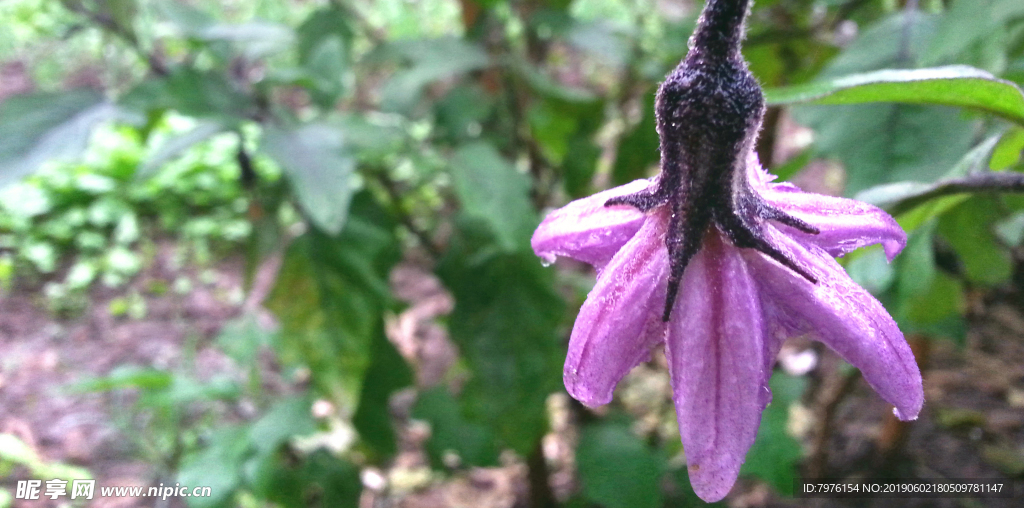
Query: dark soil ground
point(42, 358)
point(972, 425)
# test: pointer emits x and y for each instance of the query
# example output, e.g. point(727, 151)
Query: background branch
point(978, 182)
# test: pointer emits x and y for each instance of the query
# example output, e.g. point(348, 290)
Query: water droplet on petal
point(899, 415)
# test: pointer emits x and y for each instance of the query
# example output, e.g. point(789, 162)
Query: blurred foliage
point(617, 469)
point(73, 224)
point(343, 135)
point(16, 452)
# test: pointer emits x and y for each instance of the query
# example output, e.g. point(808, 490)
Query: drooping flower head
point(721, 265)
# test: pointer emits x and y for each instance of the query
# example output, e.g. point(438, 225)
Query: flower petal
point(845, 224)
point(715, 354)
point(842, 315)
point(621, 320)
point(773, 336)
point(587, 230)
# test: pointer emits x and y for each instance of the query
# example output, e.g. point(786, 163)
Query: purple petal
point(842, 315)
point(715, 353)
point(773, 337)
point(621, 320)
point(845, 224)
point(587, 230)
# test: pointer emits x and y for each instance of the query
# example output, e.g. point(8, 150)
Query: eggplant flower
point(735, 308)
point(720, 264)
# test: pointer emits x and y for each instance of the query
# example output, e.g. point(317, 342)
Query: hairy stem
point(720, 27)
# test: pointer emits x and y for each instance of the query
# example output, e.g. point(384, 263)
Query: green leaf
point(929, 210)
point(242, 338)
point(288, 418)
point(889, 195)
point(892, 42)
point(775, 453)
point(617, 469)
point(218, 466)
point(491, 190)
point(25, 201)
point(937, 311)
point(201, 94)
point(177, 145)
point(602, 39)
point(970, 230)
point(334, 480)
point(505, 323)
point(324, 47)
point(321, 25)
point(387, 373)
point(321, 479)
point(974, 160)
point(370, 141)
point(870, 270)
point(428, 60)
point(955, 85)
point(319, 169)
point(1011, 230)
point(880, 143)
point(900, 197)
point(1008, 10)
point(916, 264)
point(450, 432)
point(185, 390)
point(580, 165)
point(638, 149)
point(119, 13)
point(551, 129)
point(127, 376)
point(964, 24)
point(255, 39)
point(788, 169)
point(564, 131)
point(545, 86)
point(926, 300)
point(327, 67)
point(330, 296)
point(310, 333)
point(1008, 151)
point(15, 451)
point(184, 17)
point(889, 143)
point(463, 111)
point(47, 126)
point(205, 94)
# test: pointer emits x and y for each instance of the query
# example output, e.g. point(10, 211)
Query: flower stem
point(1009, 181)
point(720, 28)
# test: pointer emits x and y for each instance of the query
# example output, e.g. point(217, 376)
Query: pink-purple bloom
point(734, 308)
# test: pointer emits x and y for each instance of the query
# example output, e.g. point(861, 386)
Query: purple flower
point(721, 265)
point(734, 308)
